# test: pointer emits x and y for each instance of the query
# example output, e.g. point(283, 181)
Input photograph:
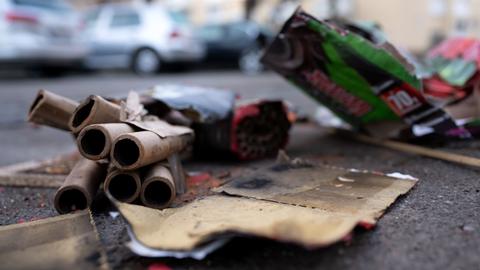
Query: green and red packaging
point(361, 78)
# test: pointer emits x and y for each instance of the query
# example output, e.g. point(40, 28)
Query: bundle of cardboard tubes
point(135, 157)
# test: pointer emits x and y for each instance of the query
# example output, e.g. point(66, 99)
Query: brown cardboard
point(124, 186)
point(31, 180)
point(51, 110)
point(308, 205)
point(95, 141)
point(94, 110)
point(161, 128)
point(333, 189)
point(62, 242)
point(134, 150)
point(158, 188)
point(80, 186)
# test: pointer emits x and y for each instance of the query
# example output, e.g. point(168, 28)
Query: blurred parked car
point(239, 43)
point(141, 37)
point(40, 34)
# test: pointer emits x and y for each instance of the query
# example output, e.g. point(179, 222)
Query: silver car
point(39, 33)
point(141, 37)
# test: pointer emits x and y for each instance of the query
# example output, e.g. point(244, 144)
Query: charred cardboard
point(312, 206)
point(365, 82)
point(62, 242)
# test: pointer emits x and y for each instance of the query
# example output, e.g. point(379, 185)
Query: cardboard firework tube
point(124, 186)
point(158, 188)
point(94, 110)
point(134, 150)
point(95, 141)
point(80, 186)
point(52, 110)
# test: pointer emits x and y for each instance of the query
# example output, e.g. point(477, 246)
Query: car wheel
point(52, 72)
point(249, 61)
point(146, 62)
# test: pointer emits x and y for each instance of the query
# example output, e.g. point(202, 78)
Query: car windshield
point(211, 33)
point(91, 17)
point(56, 5)
point(124, 18)
point(178, 17)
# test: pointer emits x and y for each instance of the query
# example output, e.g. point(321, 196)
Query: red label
point(402, 99)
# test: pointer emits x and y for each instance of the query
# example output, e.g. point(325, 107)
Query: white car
point(141, 37)
point(39, 33)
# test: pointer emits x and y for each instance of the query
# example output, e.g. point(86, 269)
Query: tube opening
point(82, 113)
point(93, 142)
point(122, 187)
point(157, 193)
point(36, 101)
point(126, 152)
point(72, 200)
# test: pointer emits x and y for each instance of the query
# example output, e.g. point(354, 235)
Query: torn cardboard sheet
point(132, 113)
point(307, 205)
point(161, 128)
point(355, 194)
point(48, 173)
point(31, 180)
point(63, 242)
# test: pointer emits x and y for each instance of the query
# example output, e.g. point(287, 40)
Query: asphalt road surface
point(435, 226)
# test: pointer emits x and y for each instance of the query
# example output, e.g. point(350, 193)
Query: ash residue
point(256, 183)
point(295, 164)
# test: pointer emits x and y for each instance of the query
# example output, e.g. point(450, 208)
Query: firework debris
point(132, 149)
point(119, 138)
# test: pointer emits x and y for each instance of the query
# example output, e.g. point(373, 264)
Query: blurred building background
point(412, 24)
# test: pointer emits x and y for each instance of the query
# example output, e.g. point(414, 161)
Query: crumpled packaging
point(363, 80)
point(201, 104)
point(308, 205)
point(454, 80)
